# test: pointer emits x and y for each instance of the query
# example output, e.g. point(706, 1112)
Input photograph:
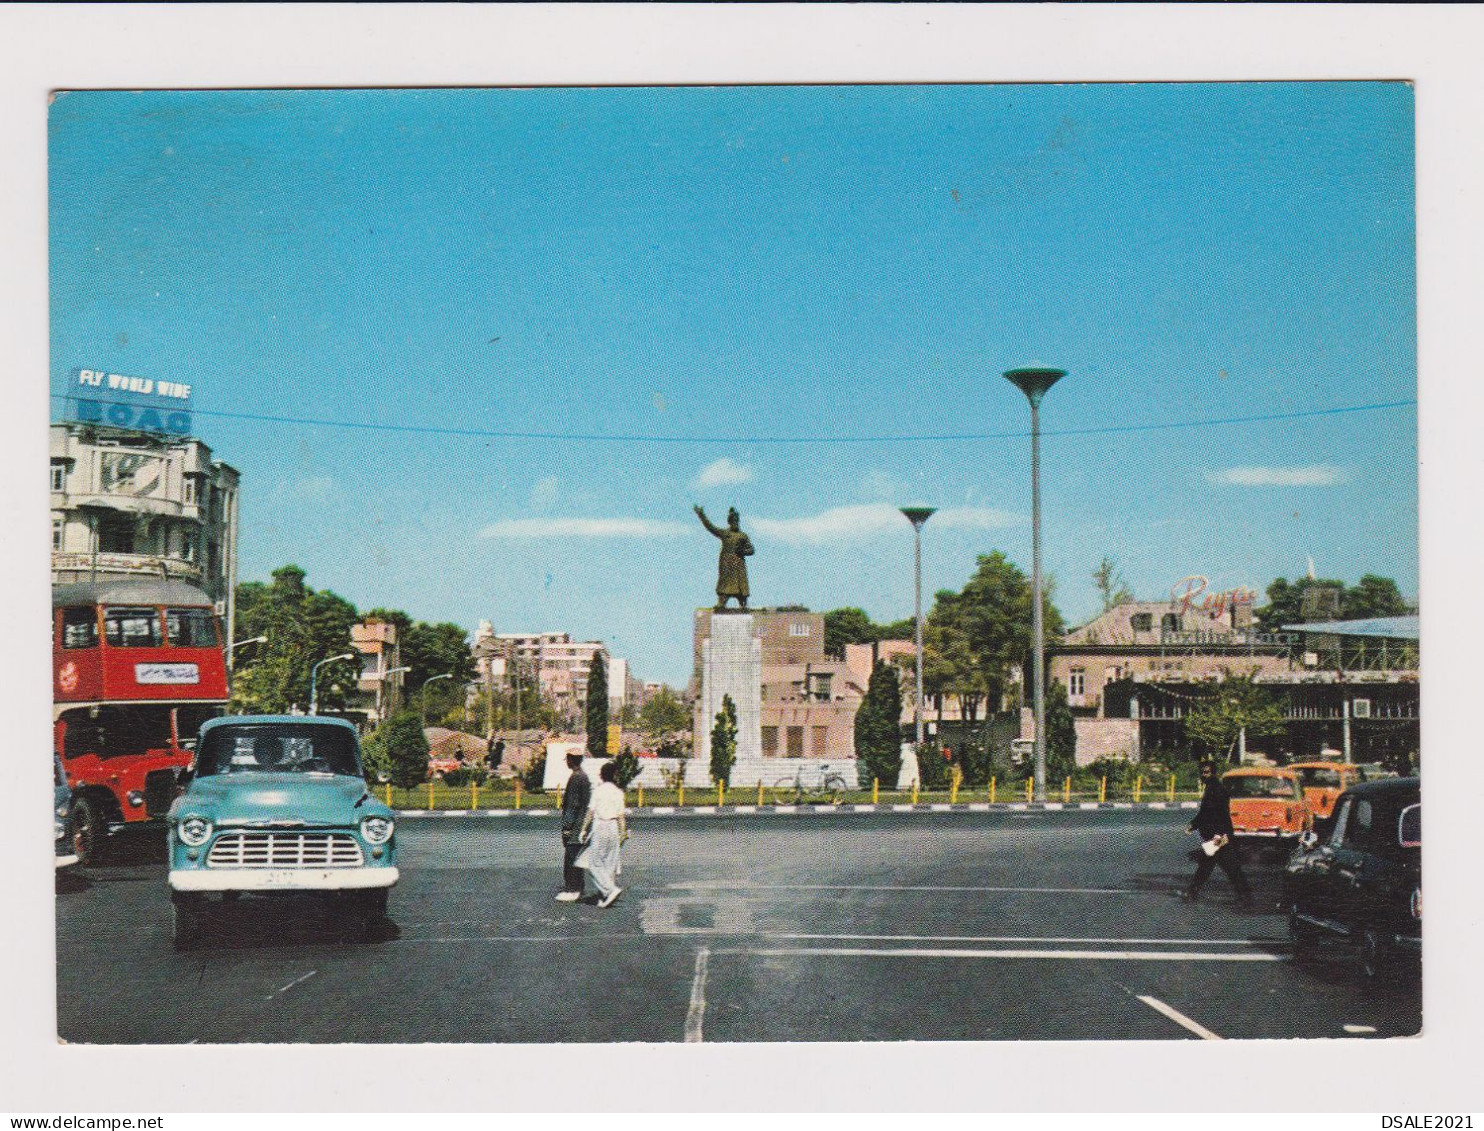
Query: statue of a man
point(731, 567)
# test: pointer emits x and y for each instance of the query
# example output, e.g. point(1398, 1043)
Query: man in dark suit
point(1212, 819)
point(574, 807)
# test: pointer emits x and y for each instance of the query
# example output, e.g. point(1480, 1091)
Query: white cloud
point(584, 528)
point(1317, 475)
point(314, 489)
point(721, 472)
point(865, 520)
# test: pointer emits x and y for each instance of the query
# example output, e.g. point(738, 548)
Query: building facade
point(379, 688)
point(128, 504)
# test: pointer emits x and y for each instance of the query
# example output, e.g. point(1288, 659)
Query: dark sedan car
point(1363, 882)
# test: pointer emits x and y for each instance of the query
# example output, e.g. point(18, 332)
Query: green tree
point(724, 742)
point(663, 713)
point(846, 626)
point(406, 749)
point(1061, 735)
point(878, 727)
point(1112, 588)
point(1237, 704)
point(1375, 597)
point(625, 768)
point(994, 613)
point(597, 707)
point(302, 627)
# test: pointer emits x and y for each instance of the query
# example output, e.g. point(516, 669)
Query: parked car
point(62, 815)
point(1363, 883)
point(276, 805)
point(1323, 782)
point(1267, 806)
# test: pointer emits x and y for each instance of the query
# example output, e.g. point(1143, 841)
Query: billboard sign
point(140, 403)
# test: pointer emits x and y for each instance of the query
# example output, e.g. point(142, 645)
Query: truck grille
point(285, 850)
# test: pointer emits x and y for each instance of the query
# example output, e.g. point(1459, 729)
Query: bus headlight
point(194, 831)
point(377, 830)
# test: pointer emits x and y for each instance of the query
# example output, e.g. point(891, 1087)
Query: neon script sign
point(1190, 593)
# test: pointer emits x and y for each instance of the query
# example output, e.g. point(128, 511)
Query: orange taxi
point(1323, 782)
point(1267, 805)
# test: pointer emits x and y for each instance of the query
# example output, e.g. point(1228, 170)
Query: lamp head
point(918, 515)
point(1034, 380)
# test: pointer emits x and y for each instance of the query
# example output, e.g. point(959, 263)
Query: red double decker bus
point(137, 667)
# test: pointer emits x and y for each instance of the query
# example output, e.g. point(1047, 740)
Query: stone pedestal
point(732, 665)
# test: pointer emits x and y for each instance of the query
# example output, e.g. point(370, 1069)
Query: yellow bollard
point(517, 793)
point(1138, 787)
point(993, 779)
point(1030, 785)
point(875, 790)
point(1172, 787)
point(759, 791)
point(474, 800)
point(641, 797)
point(953, 791)
point(388, 795)
point(430, 793)
point(721, 792)
point(680, 800)
point(1102, 790)
point(914, 793)
point(1066, 791)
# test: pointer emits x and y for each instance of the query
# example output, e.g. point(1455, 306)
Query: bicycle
point(829, 788)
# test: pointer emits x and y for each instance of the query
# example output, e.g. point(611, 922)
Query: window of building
point(59, 527)
point(770, 742)
point(819, 686)
point(1142, 622)
point(116, 534)
point(132, 628)
point(189, 497)
point(212, 554)
point(1077, 682)
point(187, 550)
point(191, 628)
point(80, 627)
point(59, 476)
point(795, 742)
point(821, 737)
point(1170, 622)
point(798, 628)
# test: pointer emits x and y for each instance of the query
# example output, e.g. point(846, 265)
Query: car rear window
point(1409, 827)
point(1259, 785)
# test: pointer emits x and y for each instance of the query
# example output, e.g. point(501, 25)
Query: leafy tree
point(846, 626)
point(303, 627)
point(663, 714)
point(994, 613)
point(1237, 704)
point(1112, 588)
point(1375, 597)
point(724, 742)
point(625, 768)
point(932, 768)
point(1061, 734)
point(597, 707)
point(534, 775)
point(878, 727)
point(1372, 597)
point(406, 748)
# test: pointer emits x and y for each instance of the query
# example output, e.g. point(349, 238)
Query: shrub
point(406, 749)
point(534, 775)
point(625, 768)
point(724, 742)
point(932, 768)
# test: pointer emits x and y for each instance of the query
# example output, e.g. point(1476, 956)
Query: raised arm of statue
point(706, 522)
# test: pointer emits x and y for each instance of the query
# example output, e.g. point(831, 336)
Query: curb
point(824, 810)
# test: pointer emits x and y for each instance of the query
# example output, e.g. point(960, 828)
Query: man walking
point(1213, 822)
point(574, 808)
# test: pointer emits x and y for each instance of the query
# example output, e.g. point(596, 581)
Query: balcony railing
point(125, 563)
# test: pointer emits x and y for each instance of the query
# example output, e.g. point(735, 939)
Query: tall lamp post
point(431, 679)
point(236, 644)
point(381, 689)
point(1033, 381)
point(314, 679)
point(917, 516)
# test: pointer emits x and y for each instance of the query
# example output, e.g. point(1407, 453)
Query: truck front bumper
point(281, 879)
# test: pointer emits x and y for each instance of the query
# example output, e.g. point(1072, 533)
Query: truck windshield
point(277, 748)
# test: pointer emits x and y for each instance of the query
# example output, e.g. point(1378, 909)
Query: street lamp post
point(236, 644)
point(431, 679)
point(917, 516)
point(1033, 381)
point(381, 688)
point(314, 679)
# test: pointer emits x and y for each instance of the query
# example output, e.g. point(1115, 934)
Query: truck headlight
point(61, 830)
point(194, 831)
point(377, 830)
point(135, 797)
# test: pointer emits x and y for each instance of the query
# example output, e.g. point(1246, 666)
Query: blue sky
point(782, 291)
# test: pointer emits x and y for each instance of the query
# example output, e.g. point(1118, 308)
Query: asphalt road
point(839, 927)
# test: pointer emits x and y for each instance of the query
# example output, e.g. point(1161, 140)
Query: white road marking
point(745, 809)
point(697, 1012)
point(864, 808)
point(1017, 806)
point(785, 808)
point(662, 810)
point(701, 885)
point(978, 807)
point(1360, 1028)
point(537, 812)
point(498, 812)
point(703, 809)
point(1178, 1018)
point(1052, 805)
point(1014, 939)
point(901, 808)
point(955, 952)
point(291, 985)
point(1087, 805)
point(941, 808)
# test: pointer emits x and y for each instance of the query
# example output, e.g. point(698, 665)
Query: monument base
point(731, 667)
